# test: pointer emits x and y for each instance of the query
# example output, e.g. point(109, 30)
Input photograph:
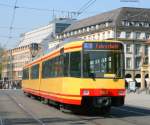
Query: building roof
point(124, 13)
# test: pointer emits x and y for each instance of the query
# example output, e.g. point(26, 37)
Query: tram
point(82, 73)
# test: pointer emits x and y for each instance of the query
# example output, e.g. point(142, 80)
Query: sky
point(27, 19)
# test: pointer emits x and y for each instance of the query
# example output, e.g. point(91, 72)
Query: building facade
point(130, 25)
point(13, 62)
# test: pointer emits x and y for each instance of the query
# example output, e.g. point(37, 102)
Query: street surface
point(17, 109)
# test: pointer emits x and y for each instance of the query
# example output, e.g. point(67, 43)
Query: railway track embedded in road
point(25, 110)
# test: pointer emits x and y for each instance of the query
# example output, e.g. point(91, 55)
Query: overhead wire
point(15, 6)
point(37, 9)
point(11, 24)
point(86, 6)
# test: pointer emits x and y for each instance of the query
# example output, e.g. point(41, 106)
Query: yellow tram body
point(72, 90)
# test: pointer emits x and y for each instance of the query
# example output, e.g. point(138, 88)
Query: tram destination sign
point(102, 46)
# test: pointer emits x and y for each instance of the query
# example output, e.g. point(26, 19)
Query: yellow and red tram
point(89, 73)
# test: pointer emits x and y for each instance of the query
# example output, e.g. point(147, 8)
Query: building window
point(137, 62)
point(98, 35)
point(137, 35)
point(147, 35)
point(97, 27)
point(89, 37)
point(123, 23)
point(141, 24)
point(128, 34)
point(108, 34)
point(146, 50)
point(103, 35)
point(118, 34)
point(87, 29)
point(128, 48)
point(75, 32)
point(60, 27)
point(93, 37)
point(131, 23)
point(107, 24)
point(137, 24)
point(68, 34)
point(72, 33)
point(146, 25)
point(92, 27)
point(128, 62)
point(137, 49)
point(83, 30)
point(20, 74)
point(146, 61)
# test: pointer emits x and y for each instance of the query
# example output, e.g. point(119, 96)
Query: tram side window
point(35, 72)
point(75, 64)
point(26, 73)
point(57, 66)
point(46, 69)
point(66, 64)
point(53, 67)
point(60, 65)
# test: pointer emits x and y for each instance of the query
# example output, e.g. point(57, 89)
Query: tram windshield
point(103, 63)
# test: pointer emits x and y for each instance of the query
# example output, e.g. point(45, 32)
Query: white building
point(45, 33)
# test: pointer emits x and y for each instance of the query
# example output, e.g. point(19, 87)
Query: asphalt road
point(17, 109)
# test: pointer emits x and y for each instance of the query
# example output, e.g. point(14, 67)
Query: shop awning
point(138, 80)
point(129, 79)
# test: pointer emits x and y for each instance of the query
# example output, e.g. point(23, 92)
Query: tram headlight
point(85, 92)
point(121, 92)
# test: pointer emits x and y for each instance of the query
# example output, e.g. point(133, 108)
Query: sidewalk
point(140, 100)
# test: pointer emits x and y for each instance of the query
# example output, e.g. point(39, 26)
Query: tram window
point(46, 69)
point(26, 73)
point(60, 69)
point(75, 64)
point(58, 66)
point(35, 72)
point(101, 63)
point(52, 72)
point(66, 64)
point(53, 67)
